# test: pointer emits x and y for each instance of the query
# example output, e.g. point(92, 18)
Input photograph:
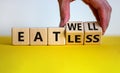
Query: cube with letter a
point(74, 33)
point(93, 33)
point(38, 36)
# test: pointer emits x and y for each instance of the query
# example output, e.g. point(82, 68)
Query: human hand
point(100, 8)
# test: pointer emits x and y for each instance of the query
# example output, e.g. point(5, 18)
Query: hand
point(100, 8)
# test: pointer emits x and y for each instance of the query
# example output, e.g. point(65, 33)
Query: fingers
point(95, 12)
point(64, 6)
point(103, 19)
point(100, 8)
point(102, 11)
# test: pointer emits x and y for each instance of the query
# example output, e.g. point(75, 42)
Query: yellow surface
point(104, 58)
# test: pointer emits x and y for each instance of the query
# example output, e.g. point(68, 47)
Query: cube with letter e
point(20, 36)
point(74, 33)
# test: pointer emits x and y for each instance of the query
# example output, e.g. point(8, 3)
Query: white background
point(45, 13)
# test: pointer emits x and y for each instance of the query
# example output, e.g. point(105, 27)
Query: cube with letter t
point(56, 36)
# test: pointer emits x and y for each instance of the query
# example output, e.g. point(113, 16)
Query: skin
point(100, 8)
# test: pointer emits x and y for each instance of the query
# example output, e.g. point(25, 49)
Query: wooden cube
point(93, 33)
point(20, 36)
point(74, 33)
point(56, 36)
point(38, 36)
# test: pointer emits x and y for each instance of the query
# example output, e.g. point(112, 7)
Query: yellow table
point(104, 58)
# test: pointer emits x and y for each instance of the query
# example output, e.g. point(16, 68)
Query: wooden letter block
point(20, 36)
point(56, 36)
point(93, 33)
point(38, 36)
point(74, 33)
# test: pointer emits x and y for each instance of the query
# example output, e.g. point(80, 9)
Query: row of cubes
point(74, 33)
